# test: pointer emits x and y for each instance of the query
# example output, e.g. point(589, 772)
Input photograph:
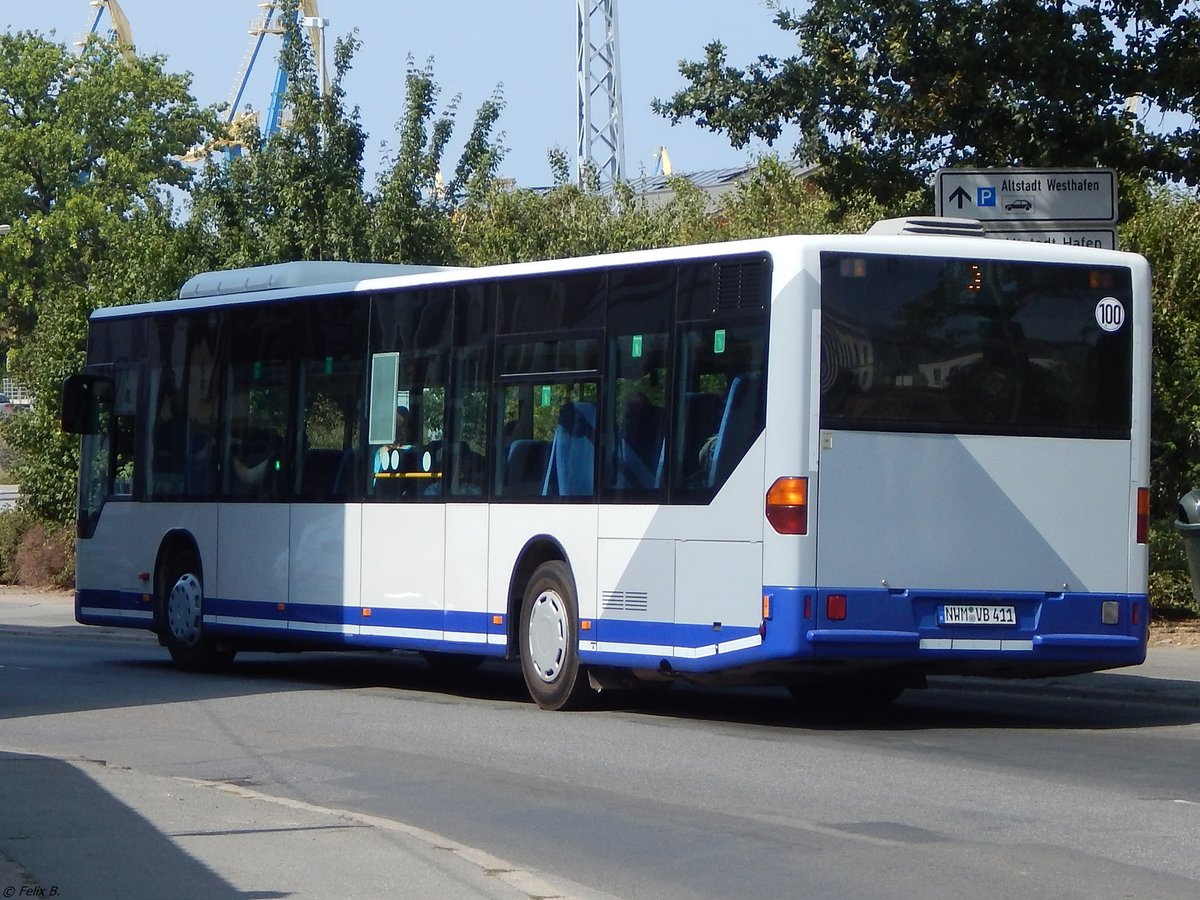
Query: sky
point(527, 46)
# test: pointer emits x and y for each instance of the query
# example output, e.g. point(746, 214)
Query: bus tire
point(183, 624)
point(549, 639)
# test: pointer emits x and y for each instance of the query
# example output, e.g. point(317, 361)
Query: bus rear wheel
point(183, 621)
point(549, 639)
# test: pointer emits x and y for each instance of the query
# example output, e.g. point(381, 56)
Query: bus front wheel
point(183, 632)
point(550, 639)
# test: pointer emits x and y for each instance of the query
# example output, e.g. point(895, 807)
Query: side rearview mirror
point(83, 395)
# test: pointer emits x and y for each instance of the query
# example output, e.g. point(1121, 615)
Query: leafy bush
point(13, 525)
point(46, 559)
point(1170, 585)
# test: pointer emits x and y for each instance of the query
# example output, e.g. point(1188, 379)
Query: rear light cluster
point(1143, 515)
point(787, 505)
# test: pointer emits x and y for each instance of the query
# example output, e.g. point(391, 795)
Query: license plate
point(978, 615)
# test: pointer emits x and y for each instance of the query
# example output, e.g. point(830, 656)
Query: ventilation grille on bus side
point(739, 287)
point(628, 601)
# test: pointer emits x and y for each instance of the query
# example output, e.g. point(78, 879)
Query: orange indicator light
point(585, 625)
point(497, 620)
point(366, 613)
point(787, 505)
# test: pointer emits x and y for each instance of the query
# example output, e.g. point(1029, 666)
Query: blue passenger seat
point(701, 419)
point(525, 467)
point(740, 424)
point(573, 453)
point(640, 447)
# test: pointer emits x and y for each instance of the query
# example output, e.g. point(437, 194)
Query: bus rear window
point(930, 344)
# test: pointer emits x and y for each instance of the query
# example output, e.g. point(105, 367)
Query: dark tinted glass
point(983, 347)
point(550, 303)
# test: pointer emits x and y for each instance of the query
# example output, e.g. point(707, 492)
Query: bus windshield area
point(942, 345)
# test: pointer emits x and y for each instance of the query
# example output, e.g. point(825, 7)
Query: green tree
point(90, 148)
point(85, 141)
point(1166, 230)
point(413, 207)
point(299, 194)
point(776, 199)
point(516, 225)
point(885, 92)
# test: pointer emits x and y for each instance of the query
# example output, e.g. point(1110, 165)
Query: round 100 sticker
point(1110, 314)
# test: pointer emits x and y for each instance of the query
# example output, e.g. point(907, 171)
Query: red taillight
point(1143, 515)
point(835, 607)
point(787, 505)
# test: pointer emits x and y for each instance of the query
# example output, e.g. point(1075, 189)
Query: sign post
point(1072, 207)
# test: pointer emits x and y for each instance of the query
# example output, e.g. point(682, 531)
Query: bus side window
point(722, 403)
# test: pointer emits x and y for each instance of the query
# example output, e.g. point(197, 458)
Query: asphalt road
point(363, 775)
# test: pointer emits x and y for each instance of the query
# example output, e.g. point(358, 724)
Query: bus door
point(404, 516)
point(253, 519)
point(326, 523)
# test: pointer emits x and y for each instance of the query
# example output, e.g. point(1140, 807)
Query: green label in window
point(636, 346)
point(719, 341)
point(545, 395)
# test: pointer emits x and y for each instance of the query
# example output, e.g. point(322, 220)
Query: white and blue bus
point(834, 463)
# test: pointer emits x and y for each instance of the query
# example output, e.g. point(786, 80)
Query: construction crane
point(662, 163)
point(119, 29)
point(260, 27)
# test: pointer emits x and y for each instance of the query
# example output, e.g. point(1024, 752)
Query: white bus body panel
point(326, 551)
point(404, 548)
point(126, 544)
point(467, 569)
point(698, 565)
point(513, 526)
point(947, 512)
point(252, 555)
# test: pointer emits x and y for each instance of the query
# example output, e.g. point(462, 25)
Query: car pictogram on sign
point(1019, 203)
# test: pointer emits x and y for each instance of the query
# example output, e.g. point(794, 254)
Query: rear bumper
point(1067, 628)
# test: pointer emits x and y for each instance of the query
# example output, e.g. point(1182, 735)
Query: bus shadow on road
point(1101, 701)
point(1094, 702)
point(949, 703)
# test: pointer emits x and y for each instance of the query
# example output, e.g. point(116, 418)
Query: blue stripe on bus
point(879, 624)
point(122, 608)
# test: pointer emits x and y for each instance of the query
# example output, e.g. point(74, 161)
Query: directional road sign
point(1105, 238)
point(1028, 195)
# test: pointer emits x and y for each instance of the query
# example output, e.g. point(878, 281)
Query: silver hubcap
point(183, 610)
point(548, 635)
